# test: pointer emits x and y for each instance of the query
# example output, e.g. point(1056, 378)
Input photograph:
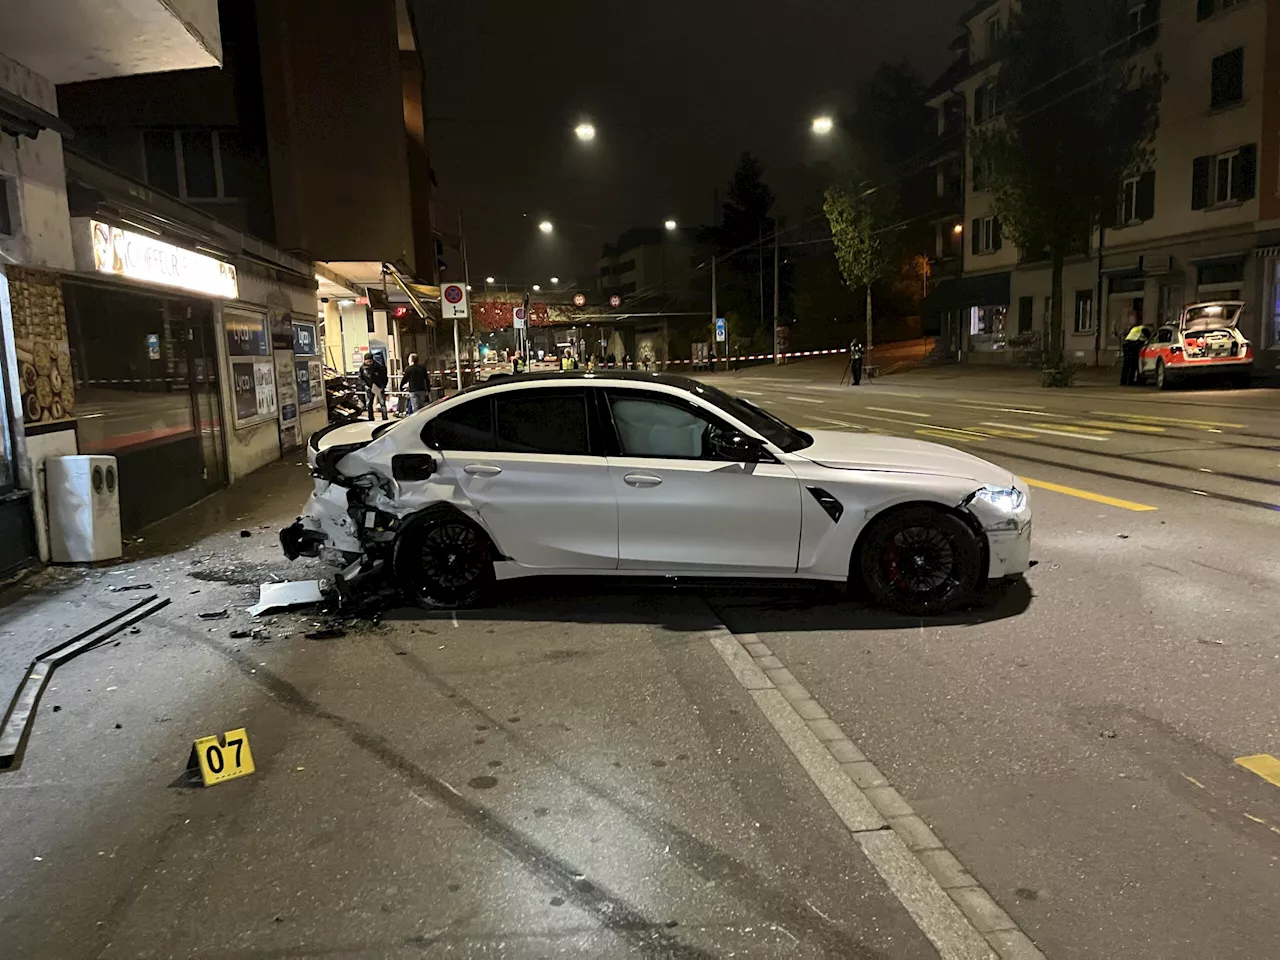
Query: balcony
point(65, 41)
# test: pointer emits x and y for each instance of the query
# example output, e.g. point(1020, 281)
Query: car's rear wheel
point(1163, 380)
point(444, 563)
point(922, 560)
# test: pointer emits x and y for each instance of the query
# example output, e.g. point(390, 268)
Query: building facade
point(1199, 223)
point(43, 44)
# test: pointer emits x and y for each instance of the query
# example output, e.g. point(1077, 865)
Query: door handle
point(482, 469)
point(641, 480)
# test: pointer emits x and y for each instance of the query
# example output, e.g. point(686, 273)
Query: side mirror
point(736, 447)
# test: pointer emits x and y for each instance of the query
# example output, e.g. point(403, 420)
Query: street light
point(822, 126)
point(958, 229)
point(536, 288)
point(546, 226)
point(585, 132)
point(490, 280)
point(555, 279)
point(670, 225)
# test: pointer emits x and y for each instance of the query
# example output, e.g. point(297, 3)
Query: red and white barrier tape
point(634, 366)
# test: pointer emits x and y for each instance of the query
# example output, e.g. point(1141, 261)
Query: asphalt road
point(582, 771)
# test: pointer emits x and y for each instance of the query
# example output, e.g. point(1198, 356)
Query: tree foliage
point(1080, 115)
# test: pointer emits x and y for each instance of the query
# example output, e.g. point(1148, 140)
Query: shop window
point(253, 374)
point(307, 366)
point(1273, 340)
point(1084, 311)
point(987, 321)
point(1228, 273)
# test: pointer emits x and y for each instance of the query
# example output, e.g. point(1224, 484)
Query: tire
point(1163, 380)
point(444, 563)
point(945, 556)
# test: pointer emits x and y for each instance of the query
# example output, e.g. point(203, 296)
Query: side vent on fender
point(412, 466)
point(834, 508)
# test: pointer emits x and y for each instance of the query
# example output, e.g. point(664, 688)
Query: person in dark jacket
point(417, 384)
point(855, 362)
point(373, 378)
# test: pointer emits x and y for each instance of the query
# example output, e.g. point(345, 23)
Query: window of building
point(995, 30)
point(1226, 87)
point(981, 174)
point(1025, 307)
point(1084, 311)
point(1207, 8)
point(986, 102)
point(197, 164)
point(986, 237)
point(987, 321)
point(7, 207)
point(1138, 199)
point(1273, 338)
point(1144, 23)
point(1223, 178)
point(542, 421)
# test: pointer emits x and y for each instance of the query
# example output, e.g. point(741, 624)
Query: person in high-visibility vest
point(566, 362)
point(1134, 341)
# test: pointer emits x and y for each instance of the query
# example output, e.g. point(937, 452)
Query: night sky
point(677, 89)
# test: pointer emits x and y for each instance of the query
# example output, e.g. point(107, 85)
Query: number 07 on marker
point(222, 758)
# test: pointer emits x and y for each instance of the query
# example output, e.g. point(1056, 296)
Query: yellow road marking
point(1088, 495)
point(1091, 431)
point(1255, 819)
point(948, 435)
point(1192, 780)
point(1075, 435)
point(1180, 421)
point(1013, 434)
point(1264, 765)
point(1116, 425)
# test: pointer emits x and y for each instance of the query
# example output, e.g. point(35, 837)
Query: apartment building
point(1200, 223)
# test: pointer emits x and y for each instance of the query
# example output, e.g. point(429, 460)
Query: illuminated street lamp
point(536, 288)
point(585, 132)
point(670, 225)
point(546, 226)
point(822, 126)
point(958, 229)
point(490, 280)
point(555, 279)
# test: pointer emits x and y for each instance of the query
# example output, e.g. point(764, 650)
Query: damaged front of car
point(355, 516)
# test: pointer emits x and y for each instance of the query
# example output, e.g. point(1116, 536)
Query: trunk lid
point(1213, 315)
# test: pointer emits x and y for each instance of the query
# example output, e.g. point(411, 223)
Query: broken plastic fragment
point(292, 593)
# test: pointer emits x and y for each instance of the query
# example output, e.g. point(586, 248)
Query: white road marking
point(752, 393)
point(840, 423)
point(1053, 433)
point(455, 618)
point(905, 413)
point(938, 916)
point(806, 400)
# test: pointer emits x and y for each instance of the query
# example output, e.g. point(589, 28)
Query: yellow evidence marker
point(222, 758)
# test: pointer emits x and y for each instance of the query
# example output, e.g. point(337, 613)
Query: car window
point(468, 426)
point(653, 428)
point(542, 421)
point(1165, 335)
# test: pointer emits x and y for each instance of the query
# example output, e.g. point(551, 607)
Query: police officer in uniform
point(855, 362)
point(1134, 341)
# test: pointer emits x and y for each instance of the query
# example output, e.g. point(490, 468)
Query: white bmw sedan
point(652, 475)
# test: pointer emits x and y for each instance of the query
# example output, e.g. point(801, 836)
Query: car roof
point(602, 377)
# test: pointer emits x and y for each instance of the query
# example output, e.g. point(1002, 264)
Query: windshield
point(780, 434)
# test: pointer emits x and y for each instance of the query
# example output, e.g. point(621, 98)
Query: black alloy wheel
point(922, 561)
point(444, 564)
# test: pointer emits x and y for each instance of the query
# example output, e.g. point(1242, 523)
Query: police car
point(1205, 342)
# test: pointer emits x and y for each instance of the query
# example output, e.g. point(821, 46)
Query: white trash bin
point(83, 497)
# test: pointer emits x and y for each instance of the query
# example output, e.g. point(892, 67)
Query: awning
point(991, 289)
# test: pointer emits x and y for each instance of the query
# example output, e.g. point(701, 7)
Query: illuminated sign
point(138, 256)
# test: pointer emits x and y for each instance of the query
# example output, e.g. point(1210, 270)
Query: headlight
point(1007, 499)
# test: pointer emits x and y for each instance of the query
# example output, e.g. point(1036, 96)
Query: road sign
point(579, 299)
point(453, 301)
point(518, 315)
point(222, 758)
point(153, 346)
point(615, 301)
point(720, 330)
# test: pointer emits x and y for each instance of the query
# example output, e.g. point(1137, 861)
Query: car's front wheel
point(921, 560)
point(444, 563)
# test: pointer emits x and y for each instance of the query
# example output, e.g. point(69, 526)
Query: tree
point(864, 248)
point(746, 218)
point(1080, 117)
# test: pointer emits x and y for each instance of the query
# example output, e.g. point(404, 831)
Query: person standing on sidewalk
point(1134, 341)
point(373, 378)
point(416, 384)
point(855, 362)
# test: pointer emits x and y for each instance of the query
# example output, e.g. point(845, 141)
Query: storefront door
point(146, 378)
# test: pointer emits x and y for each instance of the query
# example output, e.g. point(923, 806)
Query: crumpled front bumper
point(1008, 534)
point(325, 529)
